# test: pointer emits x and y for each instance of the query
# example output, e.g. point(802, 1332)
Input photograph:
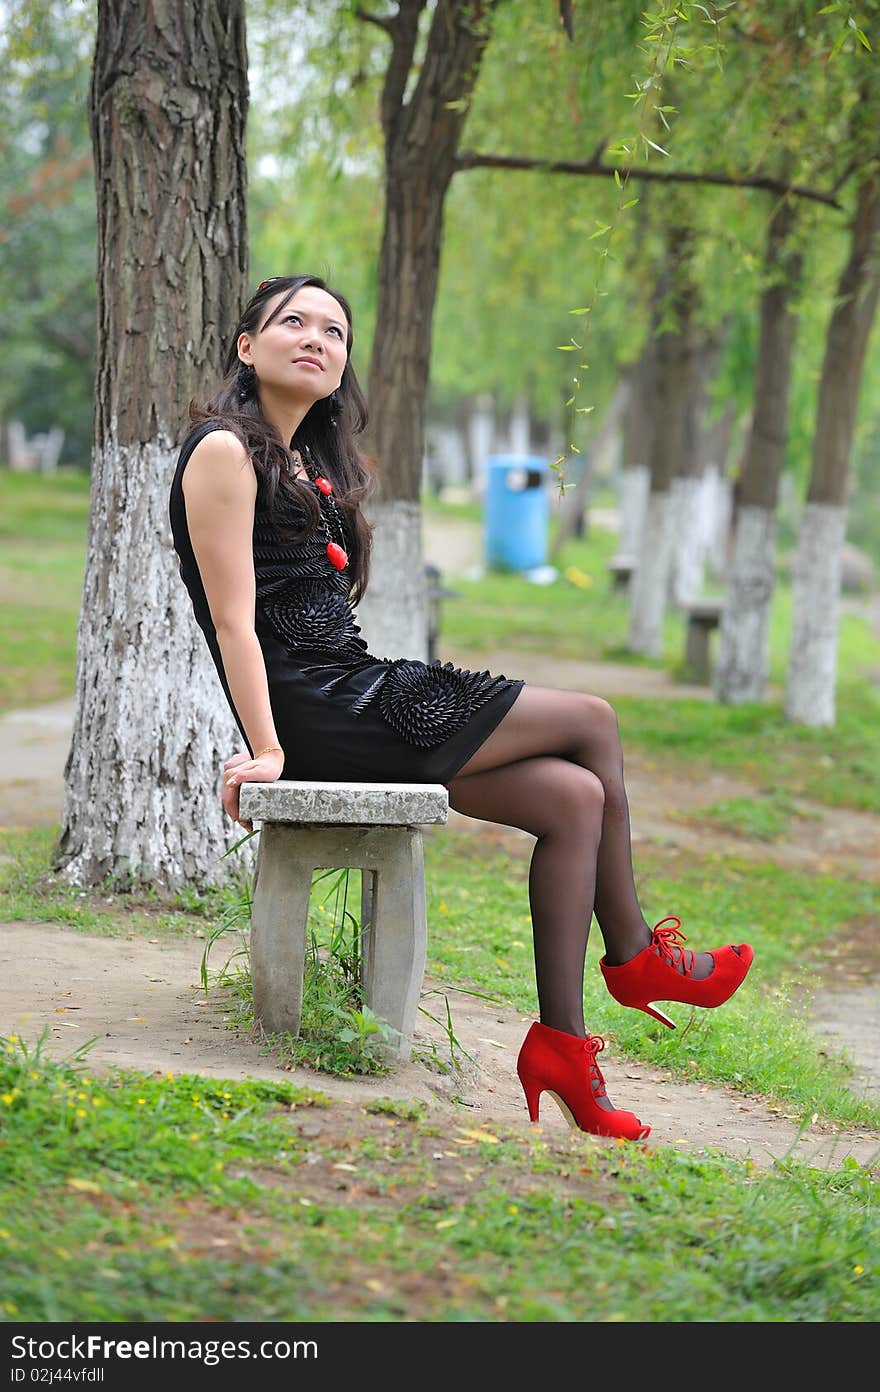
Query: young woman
point(274, 550)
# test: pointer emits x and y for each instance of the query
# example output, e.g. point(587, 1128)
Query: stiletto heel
point(532, 1090)
point(653, 974)
point(564, 1066)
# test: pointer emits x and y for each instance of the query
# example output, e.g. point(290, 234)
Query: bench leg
point(395, 935)
point(394, 921)
point(279, 923)
point(696, 652)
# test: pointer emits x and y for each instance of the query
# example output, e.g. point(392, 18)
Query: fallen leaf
point(86, 1186)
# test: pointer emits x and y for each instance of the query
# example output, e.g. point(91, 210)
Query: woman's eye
point(334, 328)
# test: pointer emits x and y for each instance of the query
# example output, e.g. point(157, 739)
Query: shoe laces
point(669, 941)
point(593, 1045)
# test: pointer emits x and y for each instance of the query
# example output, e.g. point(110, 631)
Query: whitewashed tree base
point(812, 662)
point(393, 615)
point(633, 489)
point(142, 779)
point(742, 667)
point(650, 582)
point(689, 548)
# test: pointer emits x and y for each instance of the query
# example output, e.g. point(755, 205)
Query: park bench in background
point(621, 568)
point(375, 827)
point(436, 592)
point(702, 618)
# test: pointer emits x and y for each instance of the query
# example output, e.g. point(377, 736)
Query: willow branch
point(472, 159)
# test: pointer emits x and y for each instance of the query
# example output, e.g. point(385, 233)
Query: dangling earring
point(246, 381)
point(334, 408)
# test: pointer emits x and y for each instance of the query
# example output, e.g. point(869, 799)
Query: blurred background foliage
point(521, 250)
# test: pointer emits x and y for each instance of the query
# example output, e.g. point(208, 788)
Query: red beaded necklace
point(336, 552)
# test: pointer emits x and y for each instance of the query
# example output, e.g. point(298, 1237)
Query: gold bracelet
point(270, 749)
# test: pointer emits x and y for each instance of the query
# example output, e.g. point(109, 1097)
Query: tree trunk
point(634, 485)
point(743, 665)
point(718, 499)
point(674, 354)
point(812, 663)
point(688, 492)
point(167, 110)
point(422, 137)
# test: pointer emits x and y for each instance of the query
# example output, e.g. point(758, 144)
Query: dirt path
point(140, 1004)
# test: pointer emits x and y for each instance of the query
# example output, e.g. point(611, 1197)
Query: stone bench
point(621, 568)
point(374, 827)
point(703, 616)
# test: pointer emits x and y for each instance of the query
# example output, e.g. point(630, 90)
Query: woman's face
point(303, 352)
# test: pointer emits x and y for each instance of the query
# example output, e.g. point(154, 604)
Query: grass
point(758, 818)
point(43, 523)
point(179, 1198)
point(837, 767)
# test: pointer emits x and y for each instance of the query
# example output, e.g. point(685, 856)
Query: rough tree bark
point(812, 664)
point(167, 112)
point(422, 135)
point(743, 664)
point(673, 365)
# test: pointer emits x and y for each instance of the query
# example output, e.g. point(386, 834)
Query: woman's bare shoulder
point(220, 459)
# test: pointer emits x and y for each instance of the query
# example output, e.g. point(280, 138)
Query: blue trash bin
point(516, 511)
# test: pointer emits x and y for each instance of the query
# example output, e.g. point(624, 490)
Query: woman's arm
point(220, 489)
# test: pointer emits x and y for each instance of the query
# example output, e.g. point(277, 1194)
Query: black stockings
point(554, 768)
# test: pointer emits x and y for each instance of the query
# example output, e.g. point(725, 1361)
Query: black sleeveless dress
point(341, 713)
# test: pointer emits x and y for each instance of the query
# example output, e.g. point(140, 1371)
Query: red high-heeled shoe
point(649, 977)
point(564, 1065)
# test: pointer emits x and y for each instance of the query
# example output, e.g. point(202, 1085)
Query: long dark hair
point(326, 433)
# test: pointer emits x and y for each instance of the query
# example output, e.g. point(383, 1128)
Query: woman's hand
point(241, 768)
